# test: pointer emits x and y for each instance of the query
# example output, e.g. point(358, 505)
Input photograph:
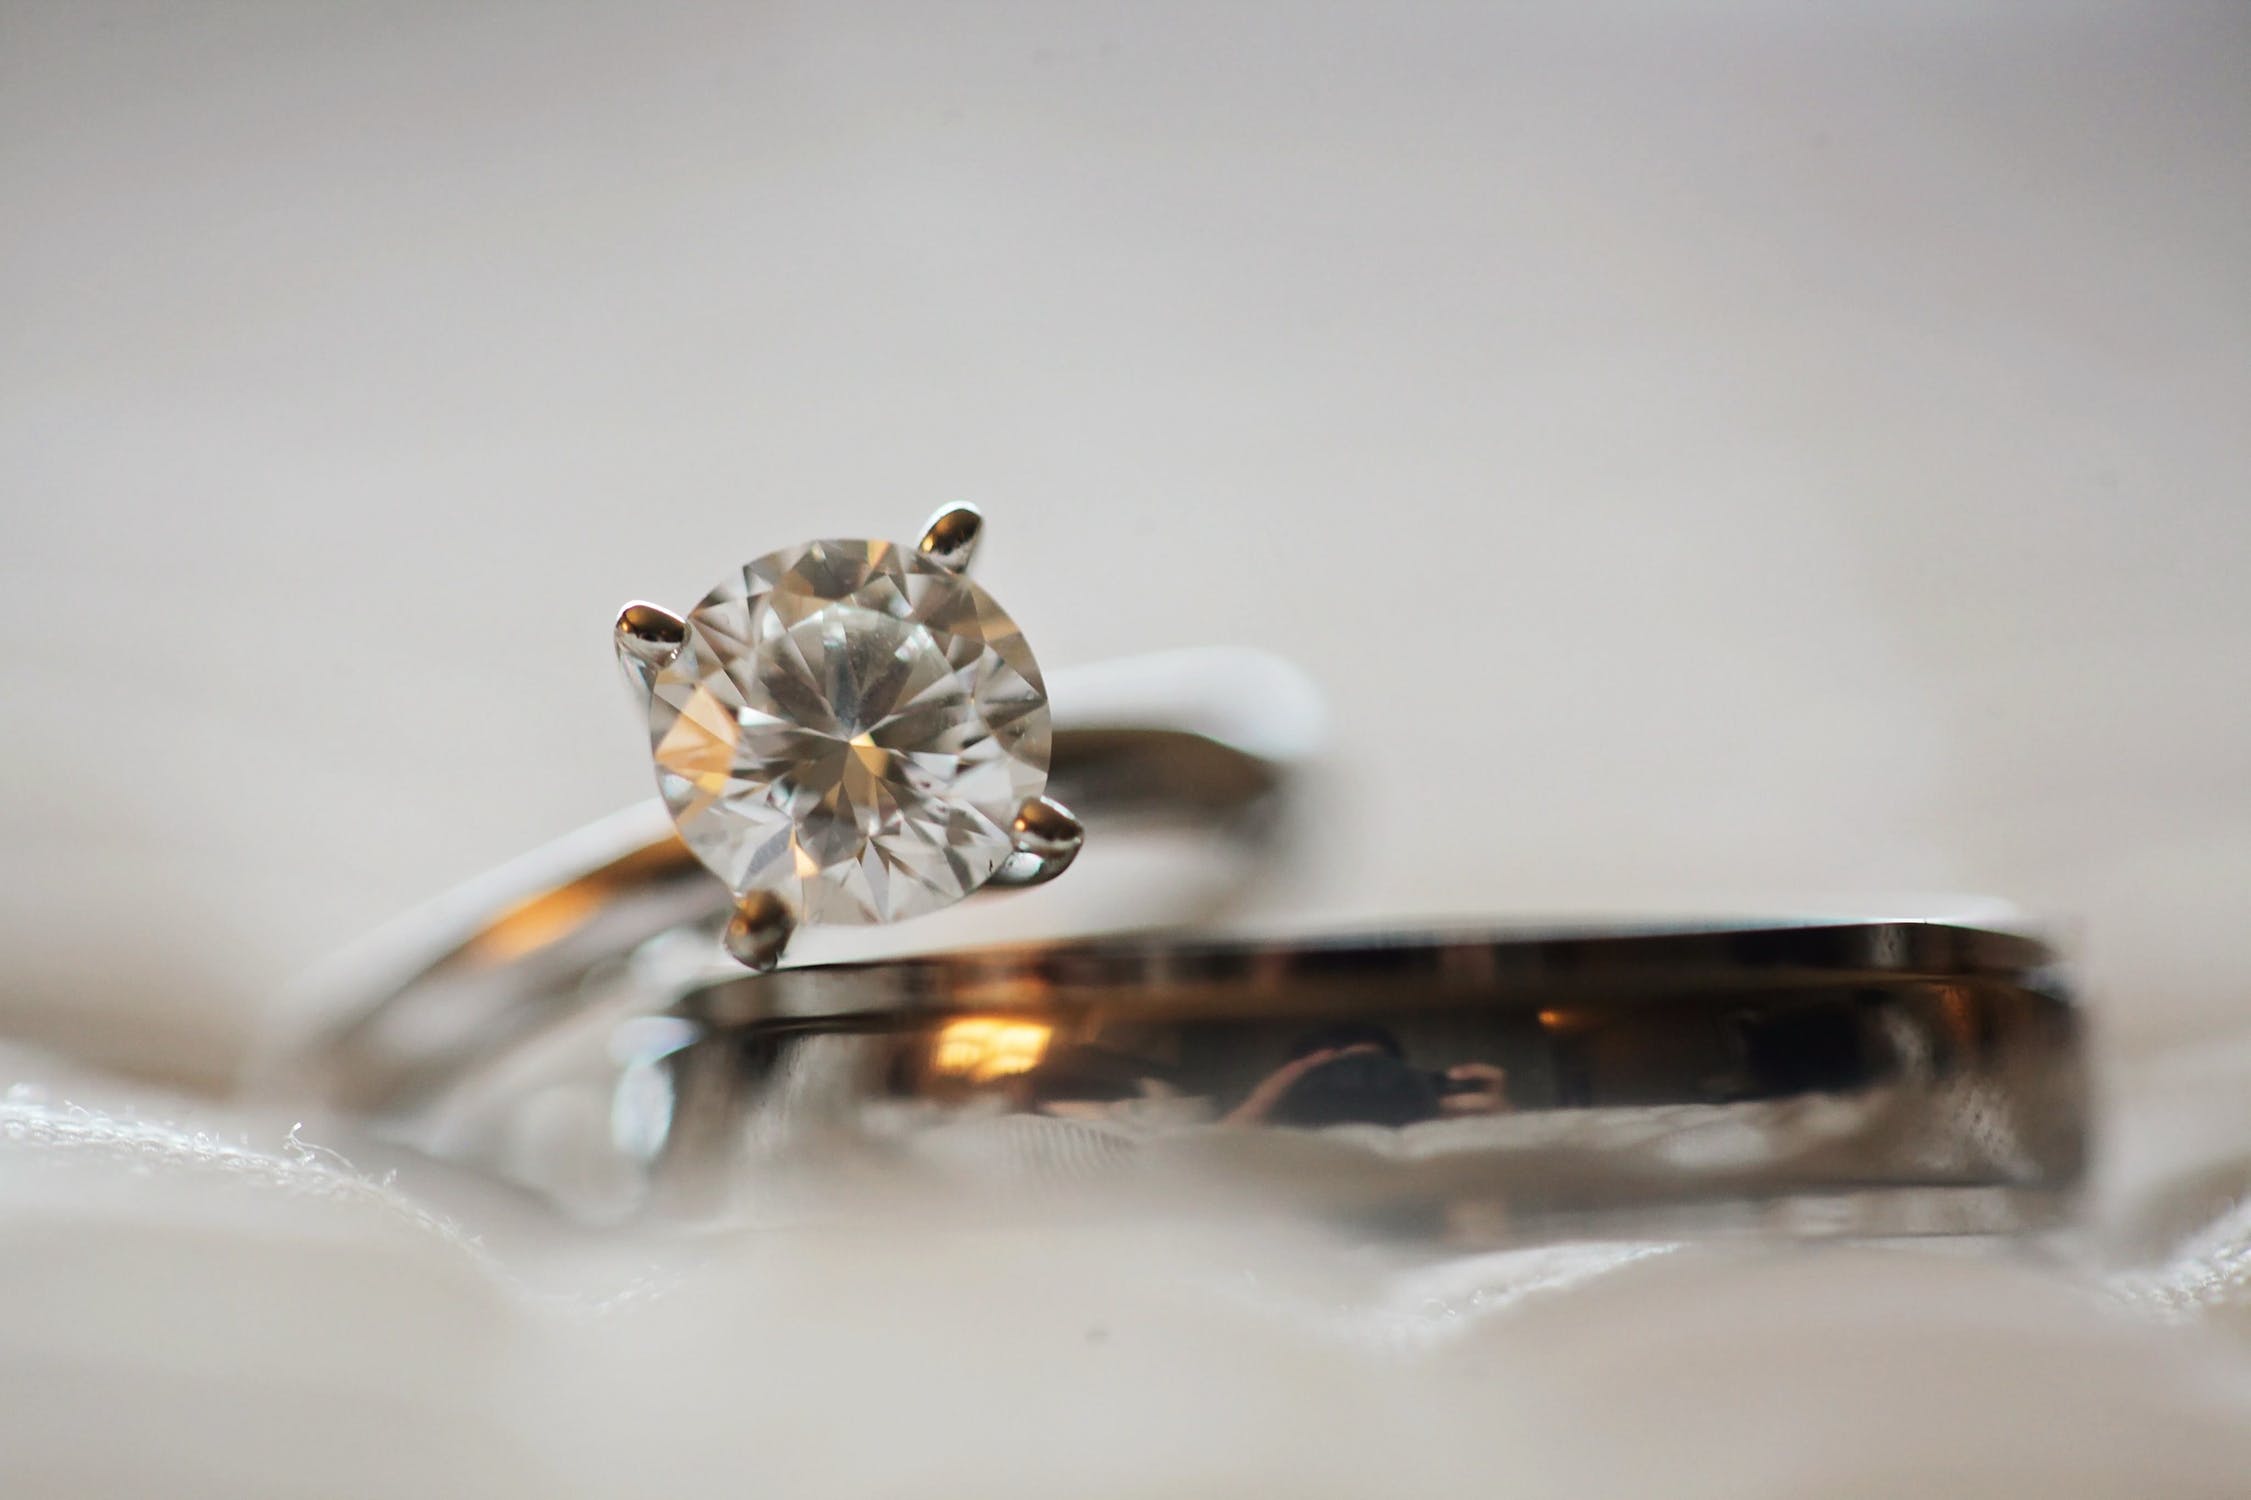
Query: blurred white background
point(1715, 456)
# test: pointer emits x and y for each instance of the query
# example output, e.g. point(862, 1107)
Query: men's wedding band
point(1865, 1078)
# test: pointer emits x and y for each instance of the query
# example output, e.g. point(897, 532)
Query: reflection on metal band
point(1889, 1077)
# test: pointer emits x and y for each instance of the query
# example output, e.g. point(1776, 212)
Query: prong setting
point(647, 636)
point(1045, 836)
point(759, 930)
point(950, 540)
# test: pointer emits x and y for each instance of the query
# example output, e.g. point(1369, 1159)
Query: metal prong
point(950, 539)
point(759, 930)
point(1046, 838)
point(647, 636)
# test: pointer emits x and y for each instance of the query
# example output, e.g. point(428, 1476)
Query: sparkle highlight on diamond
point(851, 726)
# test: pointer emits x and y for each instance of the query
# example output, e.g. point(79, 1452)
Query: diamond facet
point(851, 726)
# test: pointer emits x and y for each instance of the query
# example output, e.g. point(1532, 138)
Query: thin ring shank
point(1868, 1078)
point(1200, 739)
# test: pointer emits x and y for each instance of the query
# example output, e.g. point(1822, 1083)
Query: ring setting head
point(849, 731)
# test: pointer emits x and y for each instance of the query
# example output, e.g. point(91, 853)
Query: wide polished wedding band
point(1869, 1078)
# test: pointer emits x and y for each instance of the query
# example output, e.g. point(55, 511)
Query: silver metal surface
point(950, 539)
point(1048, 837)
point(1876, 1078)
point(646, 636)
point(759, 930)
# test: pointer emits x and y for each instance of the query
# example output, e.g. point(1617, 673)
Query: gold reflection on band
point(550, 916)
point(534, 923)
point(983, 1048)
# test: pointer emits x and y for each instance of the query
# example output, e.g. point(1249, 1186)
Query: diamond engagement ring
point(846, 735)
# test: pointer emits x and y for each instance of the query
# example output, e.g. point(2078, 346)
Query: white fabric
point(204, 1304)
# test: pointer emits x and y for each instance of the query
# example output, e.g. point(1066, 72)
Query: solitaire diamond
point(851, 726)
